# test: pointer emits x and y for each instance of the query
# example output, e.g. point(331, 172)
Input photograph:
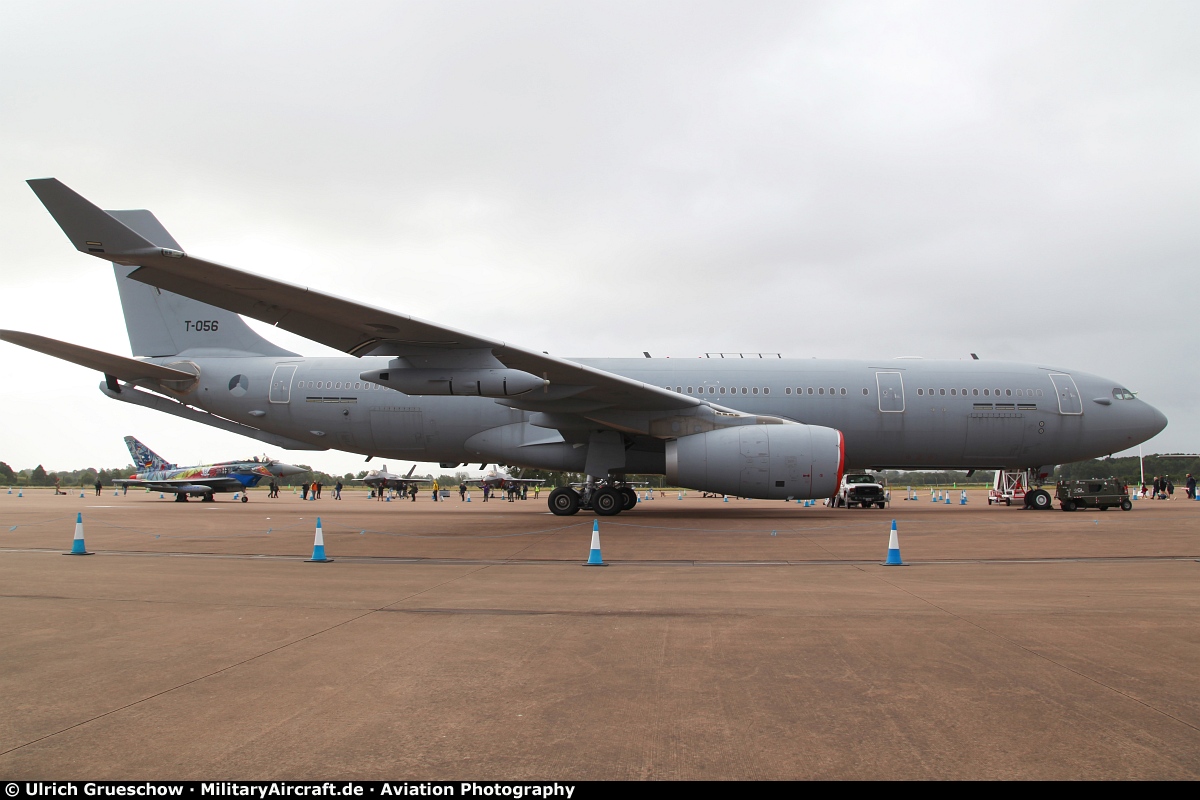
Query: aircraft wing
point(127, 369)
point(185, 486)
point(347, 325)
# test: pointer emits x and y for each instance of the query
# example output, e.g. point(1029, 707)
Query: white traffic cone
point(893, 555)
point(594, 559)
point(318, 555)
point(77, 547)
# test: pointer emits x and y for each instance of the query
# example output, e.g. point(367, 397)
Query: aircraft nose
point(1155, 421)
point(284, 470)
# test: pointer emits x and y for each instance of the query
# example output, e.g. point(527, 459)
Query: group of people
point(313, 490)
point(382, 491)
point(1164, 489)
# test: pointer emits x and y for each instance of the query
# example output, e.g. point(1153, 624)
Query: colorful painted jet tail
point(144, 458)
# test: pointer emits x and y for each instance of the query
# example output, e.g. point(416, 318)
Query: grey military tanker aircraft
point(415, 390)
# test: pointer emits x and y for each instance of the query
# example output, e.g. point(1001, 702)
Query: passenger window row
point(921, 392)
point(338, 385)
point(718, 390)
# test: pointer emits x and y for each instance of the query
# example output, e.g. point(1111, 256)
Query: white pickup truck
point(863, 490)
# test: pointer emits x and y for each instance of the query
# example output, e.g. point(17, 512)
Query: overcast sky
point(1019, 180)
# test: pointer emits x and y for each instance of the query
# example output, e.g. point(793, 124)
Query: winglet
point(91, 229)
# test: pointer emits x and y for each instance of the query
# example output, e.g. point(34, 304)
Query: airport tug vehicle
point(1100, 494)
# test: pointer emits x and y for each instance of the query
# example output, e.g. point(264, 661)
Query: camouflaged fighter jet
point(416, 390)
point(204, 480)
point(382, 480)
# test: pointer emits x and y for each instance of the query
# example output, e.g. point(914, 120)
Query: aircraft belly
point(398, 429)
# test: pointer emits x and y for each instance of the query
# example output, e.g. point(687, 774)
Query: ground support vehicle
point(1101, 494)
point(863, 490)
point(1014, 485)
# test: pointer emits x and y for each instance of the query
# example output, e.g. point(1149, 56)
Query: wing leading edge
point(359, 329)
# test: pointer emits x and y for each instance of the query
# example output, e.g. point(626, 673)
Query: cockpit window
point(1122, 394)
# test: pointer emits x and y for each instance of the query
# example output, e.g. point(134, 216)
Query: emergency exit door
point(281, 383)
point(891, 391)
point(1069, 401)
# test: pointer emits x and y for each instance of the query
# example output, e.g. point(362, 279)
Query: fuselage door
point(281, 383)
point(891, 391)
point(1069, 401)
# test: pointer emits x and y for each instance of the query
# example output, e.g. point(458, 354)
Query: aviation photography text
point(265, 789)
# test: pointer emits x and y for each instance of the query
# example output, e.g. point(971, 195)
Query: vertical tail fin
point(144, 457)
point(160, 323)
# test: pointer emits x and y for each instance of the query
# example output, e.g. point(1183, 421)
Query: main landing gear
point(603, 498)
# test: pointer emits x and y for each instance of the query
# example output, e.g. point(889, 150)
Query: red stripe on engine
point(841, 458)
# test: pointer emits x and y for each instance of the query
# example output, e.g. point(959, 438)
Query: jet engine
point(470, 382)
point(769, 462)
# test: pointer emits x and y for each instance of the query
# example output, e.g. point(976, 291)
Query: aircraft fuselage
point(903, 413)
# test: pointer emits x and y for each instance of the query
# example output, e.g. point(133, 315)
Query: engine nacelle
point(769, 462)
point(473, 382)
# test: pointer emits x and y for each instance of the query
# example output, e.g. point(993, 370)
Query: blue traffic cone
point(947, 497)
point(962, 501)
point(726, 498)
point(594, 559)
point(161, 495)
point(468, 497)
point(19, 493)
point(319, 546)
point(236, 495)
point(10, 490)
point(681, 496)
point(77, 547)
point(116, 493)
point(893, 556)
point(81, 494)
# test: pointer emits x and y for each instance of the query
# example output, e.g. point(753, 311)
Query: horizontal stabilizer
point(91, 229)
point(127, 369)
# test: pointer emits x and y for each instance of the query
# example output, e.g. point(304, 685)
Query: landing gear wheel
point(1126, 505)
point(244, 498)
point(628, 498)
point(564, 501)
point(208, 498)
point(1068, 505)
point(1039, 499)
point(607, 502)
point(181, 498)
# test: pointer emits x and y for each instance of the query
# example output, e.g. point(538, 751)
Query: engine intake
point(467, 382)
point(768, 462)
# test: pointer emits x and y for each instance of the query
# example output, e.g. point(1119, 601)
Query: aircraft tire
point(628, 498)
point(244, 498)
point(607, 502)
point(563, 502)
point(1039, 499)
point(181, 498)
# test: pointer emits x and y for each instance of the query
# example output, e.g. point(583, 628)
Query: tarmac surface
point(747, 640)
